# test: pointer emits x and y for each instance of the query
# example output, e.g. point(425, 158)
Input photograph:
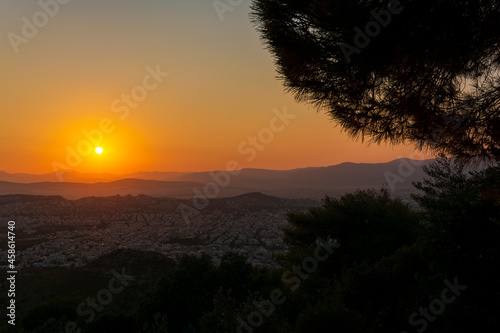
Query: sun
point(99, 150)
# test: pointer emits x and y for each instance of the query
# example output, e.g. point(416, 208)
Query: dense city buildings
point(53, 231)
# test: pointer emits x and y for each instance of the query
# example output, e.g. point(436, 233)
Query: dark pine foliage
point(429, 76)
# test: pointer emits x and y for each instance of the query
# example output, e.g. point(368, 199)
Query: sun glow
point(99, 150)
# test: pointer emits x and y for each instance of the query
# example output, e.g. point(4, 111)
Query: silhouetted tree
point(462, 212)
point(425, 72)
point(394, 261)
point(462, 209)
point(234, 272)
point(186, 293)
point(369, 225)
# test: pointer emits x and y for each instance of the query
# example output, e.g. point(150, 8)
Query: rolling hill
point(313, 182)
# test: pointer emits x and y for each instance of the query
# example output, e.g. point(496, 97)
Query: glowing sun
point(99, 150)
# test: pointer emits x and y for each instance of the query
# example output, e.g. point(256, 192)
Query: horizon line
point(191, 172)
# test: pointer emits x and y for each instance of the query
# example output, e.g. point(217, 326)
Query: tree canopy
point(423, 72)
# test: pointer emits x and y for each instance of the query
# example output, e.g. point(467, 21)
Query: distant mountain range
point(71, 176)
point(314, 182)
point(72, 191)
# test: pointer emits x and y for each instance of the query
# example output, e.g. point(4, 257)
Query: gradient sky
point(221, 90)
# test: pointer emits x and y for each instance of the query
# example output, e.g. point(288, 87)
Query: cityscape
point(65, 233)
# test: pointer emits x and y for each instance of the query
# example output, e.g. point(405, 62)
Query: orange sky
point(100, 67)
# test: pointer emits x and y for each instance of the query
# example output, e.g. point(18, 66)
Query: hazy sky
point(89, 65)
